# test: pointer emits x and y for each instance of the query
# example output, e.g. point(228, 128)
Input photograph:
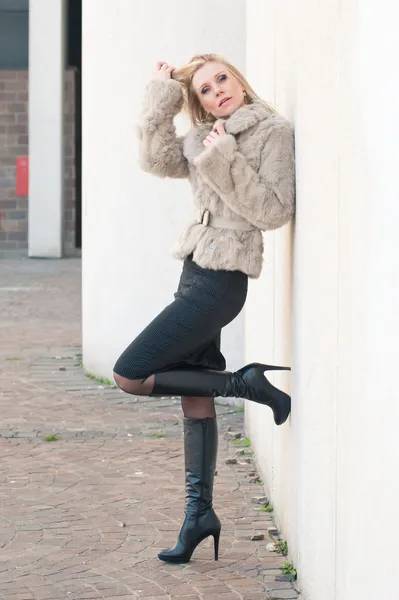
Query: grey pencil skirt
point(187, 332)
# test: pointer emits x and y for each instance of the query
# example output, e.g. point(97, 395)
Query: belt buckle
point(204, 217)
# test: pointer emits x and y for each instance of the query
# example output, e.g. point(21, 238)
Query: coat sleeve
point(265, 198)
point(161, 151)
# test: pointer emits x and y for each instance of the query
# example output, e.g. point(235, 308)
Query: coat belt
point(206, 219)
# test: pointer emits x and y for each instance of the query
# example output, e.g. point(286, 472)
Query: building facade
point(17, 208)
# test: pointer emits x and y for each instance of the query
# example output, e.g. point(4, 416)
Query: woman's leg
point(197, 407)
point(197, 385)
point(137, 387)
point(194, 407)
point(201, 521)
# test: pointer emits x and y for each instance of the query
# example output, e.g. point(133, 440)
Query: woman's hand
point(163, 71)
point(214, 135)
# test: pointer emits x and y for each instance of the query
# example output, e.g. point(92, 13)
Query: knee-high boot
point(249, 382)
point(200, 451)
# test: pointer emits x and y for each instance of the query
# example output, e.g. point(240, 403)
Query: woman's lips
point(224, 101)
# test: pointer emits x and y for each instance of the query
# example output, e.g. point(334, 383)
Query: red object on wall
point(22, 176)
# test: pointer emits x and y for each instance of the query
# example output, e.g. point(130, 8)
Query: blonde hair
point(192, 104)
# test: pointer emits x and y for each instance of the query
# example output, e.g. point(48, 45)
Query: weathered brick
point(14, 126)
point(18, 214)
point(10, 225)
point(7, 118)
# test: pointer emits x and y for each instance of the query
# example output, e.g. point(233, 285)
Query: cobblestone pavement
point(83, 517)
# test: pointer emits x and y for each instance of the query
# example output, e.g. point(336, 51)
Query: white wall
point(332, 471)
point(268, 307)
point(368, 411)
point(131, 219)
point(46, 118)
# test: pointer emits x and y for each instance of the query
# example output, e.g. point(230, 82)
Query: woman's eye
point(204, 90)
point(222, 77)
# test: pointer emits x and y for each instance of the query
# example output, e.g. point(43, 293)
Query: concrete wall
point(131, 219)
point(332, 471)
point(46, 121)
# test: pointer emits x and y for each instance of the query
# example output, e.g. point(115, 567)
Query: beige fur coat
point(247, 176)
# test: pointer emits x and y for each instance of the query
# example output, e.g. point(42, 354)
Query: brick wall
point(13, 143)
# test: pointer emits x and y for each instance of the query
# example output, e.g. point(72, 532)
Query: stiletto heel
point(216, 537)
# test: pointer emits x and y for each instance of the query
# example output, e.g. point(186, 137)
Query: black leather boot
point(200, 451)
point(249, 382)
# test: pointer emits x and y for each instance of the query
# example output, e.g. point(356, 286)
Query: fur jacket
point(247, 176)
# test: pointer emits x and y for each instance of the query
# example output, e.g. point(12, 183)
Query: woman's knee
point(130, 386)
point(139, 387)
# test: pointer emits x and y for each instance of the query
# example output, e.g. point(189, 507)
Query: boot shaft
point(200, 452)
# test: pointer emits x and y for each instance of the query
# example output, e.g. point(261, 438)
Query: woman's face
point(218, 90)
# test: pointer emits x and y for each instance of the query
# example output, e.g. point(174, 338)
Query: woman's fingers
point(218, 127)
point(212, 136)
point(163, 70)
point(211, 139)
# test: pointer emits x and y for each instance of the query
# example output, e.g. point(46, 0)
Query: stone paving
point(83, 517)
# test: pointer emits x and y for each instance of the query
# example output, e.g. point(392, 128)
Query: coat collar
point(242, 119)
point(245, 117)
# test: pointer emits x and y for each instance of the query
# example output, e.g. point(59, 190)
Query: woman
point(239, 158)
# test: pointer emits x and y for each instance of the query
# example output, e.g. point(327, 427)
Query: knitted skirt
point(187, 332)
